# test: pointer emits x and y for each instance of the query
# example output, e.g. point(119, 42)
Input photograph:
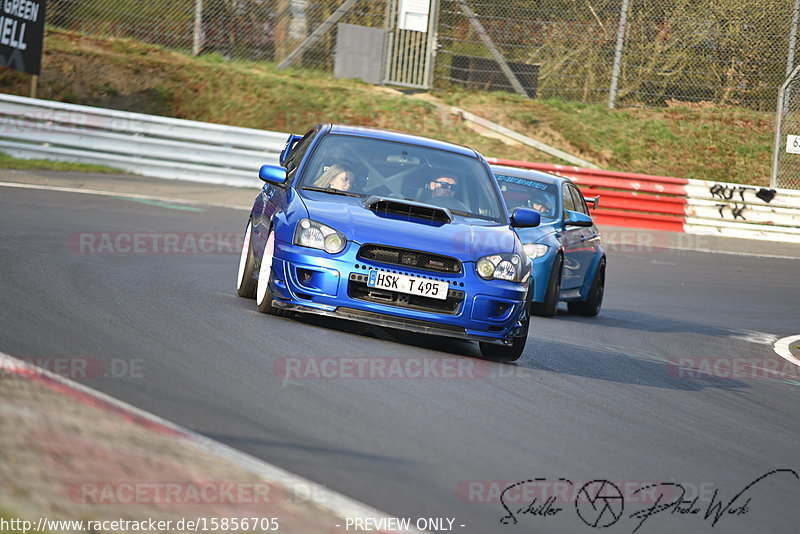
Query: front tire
point(549, 307)
point(591, 306)
point(245, 285)
point(263, 294)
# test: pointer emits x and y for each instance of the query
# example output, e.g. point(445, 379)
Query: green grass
point(8, 162)
point(724, 144)
point(685, 140)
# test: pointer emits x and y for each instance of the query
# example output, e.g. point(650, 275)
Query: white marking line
point(733, 253)
point(340, 505)
point(782, 348)
point(120, 195)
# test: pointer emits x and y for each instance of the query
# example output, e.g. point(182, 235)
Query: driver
point(445, 186)
point(540, 204)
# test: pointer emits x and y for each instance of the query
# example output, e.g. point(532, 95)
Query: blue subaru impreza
point(566, 252)
point(391, 229)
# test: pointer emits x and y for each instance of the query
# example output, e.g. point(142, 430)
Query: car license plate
point(412, 285)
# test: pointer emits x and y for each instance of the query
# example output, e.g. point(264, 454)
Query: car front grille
point(410, 258)
point(357, 289)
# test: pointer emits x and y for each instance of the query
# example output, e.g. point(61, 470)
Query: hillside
point(692, 141)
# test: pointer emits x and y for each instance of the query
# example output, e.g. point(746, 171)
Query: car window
point(299, 151)
point(577, 200)
point(569, 202)
point(367, 166)
point(526, 193)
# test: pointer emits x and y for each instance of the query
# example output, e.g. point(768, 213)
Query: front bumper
point(313, 281)
point(540, 271)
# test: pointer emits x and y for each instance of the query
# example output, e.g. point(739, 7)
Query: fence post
point(792, 38)
point(198, 28)
point(623, 22)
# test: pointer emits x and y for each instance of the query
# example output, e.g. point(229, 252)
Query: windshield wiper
point(331, 191)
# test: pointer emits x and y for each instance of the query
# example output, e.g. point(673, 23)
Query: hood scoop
point(408, 209)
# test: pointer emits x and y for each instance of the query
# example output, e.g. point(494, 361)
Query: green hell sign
point(21, 34)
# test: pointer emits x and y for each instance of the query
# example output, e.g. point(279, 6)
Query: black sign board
point(21, 34)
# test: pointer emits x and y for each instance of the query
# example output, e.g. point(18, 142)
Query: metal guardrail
point(163, 147)
point(149, 145)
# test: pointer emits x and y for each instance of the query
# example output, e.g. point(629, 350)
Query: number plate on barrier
point(793, 144)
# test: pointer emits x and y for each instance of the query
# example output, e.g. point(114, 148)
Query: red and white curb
point(783, 349)
point(320, 496)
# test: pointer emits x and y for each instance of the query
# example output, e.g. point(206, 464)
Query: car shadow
point(613, 366)
point(645, 322)
point(546, 356)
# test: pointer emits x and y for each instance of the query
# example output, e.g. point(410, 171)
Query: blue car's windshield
point(367, 166)
point(525, 193)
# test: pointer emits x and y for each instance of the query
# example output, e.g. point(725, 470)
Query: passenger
point(338, 176)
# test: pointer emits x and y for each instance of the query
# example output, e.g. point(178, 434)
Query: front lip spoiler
point(388, 321)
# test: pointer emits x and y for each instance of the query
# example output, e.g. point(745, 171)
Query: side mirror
point(272, 174)
point(525, 218)
point(576, 218)
point(288, 147)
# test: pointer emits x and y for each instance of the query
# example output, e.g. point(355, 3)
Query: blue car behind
point(568, 260)
point(352, 225)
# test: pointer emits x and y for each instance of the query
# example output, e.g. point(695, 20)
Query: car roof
point(401, 137)
point(529, 174)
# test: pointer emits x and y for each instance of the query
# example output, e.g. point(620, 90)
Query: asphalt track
point(599, 398)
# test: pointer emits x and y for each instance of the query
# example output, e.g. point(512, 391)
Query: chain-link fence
point(731, 52)
point(786, 153)
point(638, 52)
point(238, 29)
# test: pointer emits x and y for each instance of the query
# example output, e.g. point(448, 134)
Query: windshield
point(524, 193)
point(366, 166)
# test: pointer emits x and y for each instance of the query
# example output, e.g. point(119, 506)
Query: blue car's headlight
point(313, 234)
point(535, 250)
point(500, 267)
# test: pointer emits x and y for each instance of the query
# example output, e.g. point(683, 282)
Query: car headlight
point(535, 250)
point(500, 267)
point(314, 234)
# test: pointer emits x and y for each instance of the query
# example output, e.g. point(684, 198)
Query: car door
point(570, 237)
point(586, 237)
point(273, 196)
